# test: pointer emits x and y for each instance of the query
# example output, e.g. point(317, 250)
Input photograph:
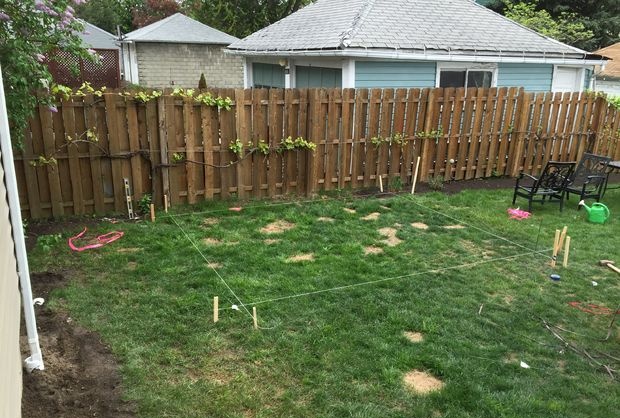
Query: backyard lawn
point(363, 305)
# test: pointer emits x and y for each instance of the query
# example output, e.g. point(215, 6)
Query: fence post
point(315, 109)
point(521, 123)
point(598, 125)
point(162, 101)
point(428, 127)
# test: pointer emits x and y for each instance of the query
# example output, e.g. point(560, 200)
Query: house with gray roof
point(408, 43)
point(175, 51)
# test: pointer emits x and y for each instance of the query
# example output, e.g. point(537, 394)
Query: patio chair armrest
point(589, 179)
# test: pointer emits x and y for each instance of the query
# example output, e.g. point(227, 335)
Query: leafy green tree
point(31, 32)
point(241, 17)
point(600, 17)
point(153, 10)
point(565, 28)
point(108, 14)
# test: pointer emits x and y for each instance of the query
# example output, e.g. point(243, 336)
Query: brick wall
point(180, 65)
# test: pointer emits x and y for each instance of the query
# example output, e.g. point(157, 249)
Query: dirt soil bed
point(81, 376)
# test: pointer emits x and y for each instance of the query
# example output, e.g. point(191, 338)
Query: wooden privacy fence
point(74, 161)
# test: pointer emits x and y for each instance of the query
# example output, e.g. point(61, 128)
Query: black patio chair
point(589, 178)
point(550, 185)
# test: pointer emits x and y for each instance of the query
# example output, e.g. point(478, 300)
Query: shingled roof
point(179, 28)
point(427, 26)
point(612, 68)
point(95, 37)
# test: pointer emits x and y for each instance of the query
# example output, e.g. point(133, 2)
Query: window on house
point(465, 78)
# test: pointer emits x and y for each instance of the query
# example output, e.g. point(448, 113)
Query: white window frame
point(581, 76)
point(466, 66)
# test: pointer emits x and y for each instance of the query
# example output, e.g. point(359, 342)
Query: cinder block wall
point(180, 65)
point(10, 357)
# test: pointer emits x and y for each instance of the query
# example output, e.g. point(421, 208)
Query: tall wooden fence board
point(74, 160)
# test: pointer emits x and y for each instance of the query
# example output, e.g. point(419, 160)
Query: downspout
point(35, 361)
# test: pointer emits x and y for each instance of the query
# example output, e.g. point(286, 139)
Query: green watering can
point(597, 213)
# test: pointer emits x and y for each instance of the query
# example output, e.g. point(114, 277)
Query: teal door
point(309, 77)
point(267, 75)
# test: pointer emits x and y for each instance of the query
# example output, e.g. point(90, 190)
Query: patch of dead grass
point(372, 250)
point(214, 265)
point(300, 257)
point(371, 217)
point(349, 210)
point(210, 221)
point(414, 337)
point(271, 241)
point(211, 241)
point(277, 227)
point(422, 383)
point(132, 265)
point(128, 250)
point(419, 225)
point(391, 240)
point(454, 226)
point(325, 219)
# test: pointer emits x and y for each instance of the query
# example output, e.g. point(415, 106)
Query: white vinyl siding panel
point(369, 74)
point(10, 358)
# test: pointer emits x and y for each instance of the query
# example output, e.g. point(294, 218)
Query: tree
point(600, 17)
point(241, 17)
point(31, 31)
point(565, 28)
point(108, 14)
point(150, 11)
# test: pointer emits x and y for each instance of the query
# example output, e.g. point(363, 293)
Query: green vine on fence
point(204, 98)
point(398, 139)
point(287, 144)
point(66, 92)
point(432, 134)
point(89, 136)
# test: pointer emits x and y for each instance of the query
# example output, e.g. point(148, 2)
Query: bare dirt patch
point(325, 219)
point(371, 217)
point(421, 382)
point(414, 337)
point(476, 249)
point(391, 240)
point(277, 227)
point(210, 221)
point(372, 250)
point(454, 227)
point(128, 250)
point(349, 210)
point(212, 241)
point(419, 225)
point(214, 265)
point(301, 257)
point(81, 377)
point(271, 241)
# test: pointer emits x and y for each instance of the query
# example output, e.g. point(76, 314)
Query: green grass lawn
point(331, 340)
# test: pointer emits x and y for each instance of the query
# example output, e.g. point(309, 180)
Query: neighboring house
point(105, 73)
point(408, 43)
point(175, 51)
point(607, 78)
point(13, 271)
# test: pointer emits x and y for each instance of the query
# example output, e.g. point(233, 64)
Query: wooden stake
point(216, 308)
point(562, 237)
point(166, 203)
point(254, 317)
point(152, 212)
point(415, 175)
point(566, 249)
point(381, 184)
point(555, 247)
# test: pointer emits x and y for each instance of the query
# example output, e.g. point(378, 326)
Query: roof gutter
point(35, 361)
point(424, 56)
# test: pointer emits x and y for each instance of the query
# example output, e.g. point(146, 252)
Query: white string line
point(211, 265)
point(348, 286)
point(472, 226)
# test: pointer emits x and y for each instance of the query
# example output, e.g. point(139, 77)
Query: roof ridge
point(95, 27)
point(358, 19)
point(155, 25)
